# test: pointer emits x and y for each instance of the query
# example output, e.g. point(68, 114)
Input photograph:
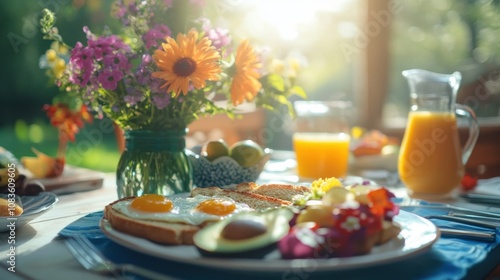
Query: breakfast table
point(41, 253)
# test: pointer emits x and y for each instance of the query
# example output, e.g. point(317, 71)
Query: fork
point(92, 259)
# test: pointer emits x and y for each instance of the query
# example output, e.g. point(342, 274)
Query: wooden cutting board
point(73, 179)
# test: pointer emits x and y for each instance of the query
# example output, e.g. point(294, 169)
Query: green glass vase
point(154, 162)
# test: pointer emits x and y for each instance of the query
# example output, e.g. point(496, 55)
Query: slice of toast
point(255, 201)
point(160, 232)
point(280, 191)
point(389, 231)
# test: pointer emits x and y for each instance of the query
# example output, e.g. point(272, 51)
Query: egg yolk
point(218, 207)
point(152, 203)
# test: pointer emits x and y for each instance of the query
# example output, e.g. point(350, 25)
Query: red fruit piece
point(468, 182)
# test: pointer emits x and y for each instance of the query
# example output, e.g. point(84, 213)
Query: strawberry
point(468, 182)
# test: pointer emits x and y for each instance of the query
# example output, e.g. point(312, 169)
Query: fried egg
point(190, 210)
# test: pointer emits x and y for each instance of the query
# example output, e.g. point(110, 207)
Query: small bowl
point(224, 171)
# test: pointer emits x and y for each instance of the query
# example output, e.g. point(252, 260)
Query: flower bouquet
point(165, 68)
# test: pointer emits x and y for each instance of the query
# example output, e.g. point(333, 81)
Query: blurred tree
point(26, 88)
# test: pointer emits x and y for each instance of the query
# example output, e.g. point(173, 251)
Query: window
point(446, 36)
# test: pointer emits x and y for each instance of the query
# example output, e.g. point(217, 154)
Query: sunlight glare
point(287, 16)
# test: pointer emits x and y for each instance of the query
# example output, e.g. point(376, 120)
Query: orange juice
point(430, 160)
point(321, 155)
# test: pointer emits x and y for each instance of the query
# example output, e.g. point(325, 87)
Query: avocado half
point(210, 241)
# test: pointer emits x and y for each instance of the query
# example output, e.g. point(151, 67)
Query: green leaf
point(299, 91)
point(276, 81)
point(282, 99)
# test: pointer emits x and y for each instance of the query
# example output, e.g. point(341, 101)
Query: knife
point(467, 234)
point(481, 198)
point(461, 220)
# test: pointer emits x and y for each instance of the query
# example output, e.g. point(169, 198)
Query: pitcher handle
point(468, 113)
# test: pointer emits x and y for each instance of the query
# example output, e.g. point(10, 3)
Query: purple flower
point(134, 95)
point(161, 100)
point(168, 3)
point(109, 78)
point(117, 60)
point(133, 9)
point(219, 37)
point(120, 10)
point(143, 72)
point(82, 57)
point(146, 59)
point(105, 45)
point(89, 93)
point(155, 34)
point(81, 78)
point(88, 34)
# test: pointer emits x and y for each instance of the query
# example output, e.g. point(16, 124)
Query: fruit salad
point(338, 221)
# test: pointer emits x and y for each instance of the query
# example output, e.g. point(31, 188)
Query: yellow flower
point(51, 55)
point(323, 185)
point(59, 67)
point(245, 83)
point(60, 49)
point(294, 68)
point(277, 66)
point(187, 60)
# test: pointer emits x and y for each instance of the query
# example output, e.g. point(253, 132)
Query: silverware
point(468, 234)
point(481, 198)
point(92, 259)
point(463, 221)
point(409, 204)
point(491, 220)
point(450, 212)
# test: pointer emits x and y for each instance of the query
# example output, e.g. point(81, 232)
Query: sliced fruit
point(247, 153)
point(322, 215)
point(372, 143)
point(6, 209)
point(336, 195)
point(43, 166)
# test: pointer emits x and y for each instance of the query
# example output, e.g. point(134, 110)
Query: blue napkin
point(449, 258)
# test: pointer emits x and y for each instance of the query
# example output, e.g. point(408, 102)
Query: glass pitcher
point(431, 160)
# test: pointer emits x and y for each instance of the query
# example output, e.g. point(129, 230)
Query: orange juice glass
point(321, 155)
point(321, 138)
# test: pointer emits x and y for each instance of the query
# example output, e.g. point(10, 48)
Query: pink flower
point(109, 78)
point(200, 3)
point(168, 3)
point(81, 78)
point(219, 37)
point(117, 60)
point(82, 57)
point(158, 33)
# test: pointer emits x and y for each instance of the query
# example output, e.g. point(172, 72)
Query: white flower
point(351, 224)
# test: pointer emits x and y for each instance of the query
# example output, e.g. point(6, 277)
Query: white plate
point(417, 236)
point(33, 206)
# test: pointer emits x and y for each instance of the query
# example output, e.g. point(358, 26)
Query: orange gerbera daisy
point(187, 60)
point(246, 77)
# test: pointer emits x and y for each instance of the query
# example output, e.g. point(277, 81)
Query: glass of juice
point(321, 138)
